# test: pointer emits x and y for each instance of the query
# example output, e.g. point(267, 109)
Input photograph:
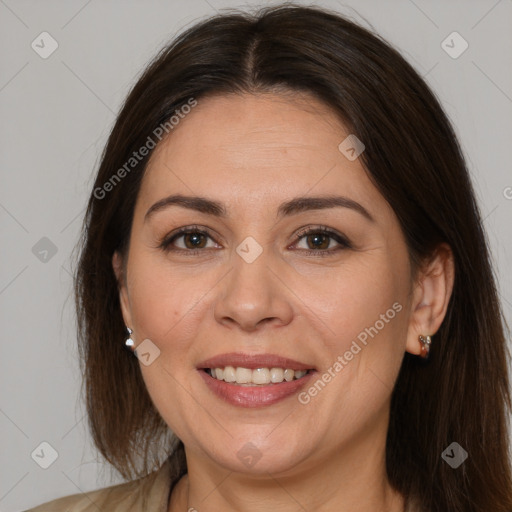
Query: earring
point(129, 343)
point(426, 341)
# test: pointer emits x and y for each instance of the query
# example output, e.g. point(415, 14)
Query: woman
point(284, 235)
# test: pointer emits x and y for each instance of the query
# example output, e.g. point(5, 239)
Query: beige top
point(127, 497)
point(123, 497)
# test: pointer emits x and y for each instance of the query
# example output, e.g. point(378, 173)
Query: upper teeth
point(258, 376)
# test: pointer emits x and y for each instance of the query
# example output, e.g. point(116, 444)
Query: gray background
point(56, 114)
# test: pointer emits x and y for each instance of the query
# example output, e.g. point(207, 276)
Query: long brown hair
point(412, 155)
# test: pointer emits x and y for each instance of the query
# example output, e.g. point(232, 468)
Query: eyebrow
point(291, 207)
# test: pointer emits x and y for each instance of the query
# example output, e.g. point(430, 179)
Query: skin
point(253, 152)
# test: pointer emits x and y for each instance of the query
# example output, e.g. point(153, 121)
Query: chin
point(250, 455)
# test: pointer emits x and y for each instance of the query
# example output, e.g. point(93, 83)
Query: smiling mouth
point(255, 377)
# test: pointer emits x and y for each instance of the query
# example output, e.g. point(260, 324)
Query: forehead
point(247, 149)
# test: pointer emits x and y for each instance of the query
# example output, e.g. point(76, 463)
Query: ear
point(431, 296)
point(119, 271)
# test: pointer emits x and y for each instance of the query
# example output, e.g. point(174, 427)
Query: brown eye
point(318, 241)
point(187, 239)
point(194, 240)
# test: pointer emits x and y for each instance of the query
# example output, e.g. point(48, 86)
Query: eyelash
point(323, 230)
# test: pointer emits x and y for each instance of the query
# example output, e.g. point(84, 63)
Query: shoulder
point(150, 492)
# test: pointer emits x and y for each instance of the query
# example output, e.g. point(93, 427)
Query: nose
point(254, 294)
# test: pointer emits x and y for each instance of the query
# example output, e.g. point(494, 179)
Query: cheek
point(167, 301)
point(363, 305)
point(372, 330)
point(352, 298)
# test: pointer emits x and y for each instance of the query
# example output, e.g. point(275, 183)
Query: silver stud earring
point(129, 343)
point(426, 342)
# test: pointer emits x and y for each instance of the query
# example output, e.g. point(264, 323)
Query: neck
point(352, 478)
point(276, 495)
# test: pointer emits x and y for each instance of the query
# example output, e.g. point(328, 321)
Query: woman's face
point(253, 281)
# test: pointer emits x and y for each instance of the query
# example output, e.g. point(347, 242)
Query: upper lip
point(253, 361)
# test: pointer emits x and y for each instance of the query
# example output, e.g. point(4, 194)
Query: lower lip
point(254, 396)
